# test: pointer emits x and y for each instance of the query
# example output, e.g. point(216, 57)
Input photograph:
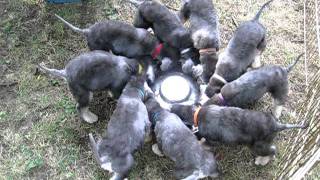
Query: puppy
point(247, 43)
point(204, 26)
point(179, 144)
point(232, 125)
point(168, 28)
point(126, 131)
point(93, 71)
point(125, 40)
point(121, 38)
point(251, 86)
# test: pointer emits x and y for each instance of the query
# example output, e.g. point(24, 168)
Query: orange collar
point(195, 116)
point(208, 50)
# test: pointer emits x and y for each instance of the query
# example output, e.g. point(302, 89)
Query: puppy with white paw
point(167, 27)
point(235, 126)
point(93, 71)
point(204, 26)
point(127, 129)
point(177, 142)
point(251, 86)
point(246, 45)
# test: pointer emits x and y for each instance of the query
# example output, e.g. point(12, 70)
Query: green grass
point(41, 135)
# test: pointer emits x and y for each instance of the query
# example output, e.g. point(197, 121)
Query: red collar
point(156, 52)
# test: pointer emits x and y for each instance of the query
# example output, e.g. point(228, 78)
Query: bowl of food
point(175, 88)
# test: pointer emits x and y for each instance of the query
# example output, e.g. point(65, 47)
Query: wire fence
point(303, 151)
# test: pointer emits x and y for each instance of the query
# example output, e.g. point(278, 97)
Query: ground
point(41, 135)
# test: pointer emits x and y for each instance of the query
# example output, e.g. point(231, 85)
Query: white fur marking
point(185, 50)
point(156, 150)
point(262, 160)
point(198, 35)
point(257, 62)
point(107, 166)
point(220, 78)
point(197, 70)
point(90, 96)
point(203, 97)
point(150, 74)
point(278, 111)
point(87, 115)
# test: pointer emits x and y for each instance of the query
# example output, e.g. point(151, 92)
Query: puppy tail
point(281, 127)
point(54, 72)
point(76, 29)
point(136, 3)
point(94, 148)
point(290, 67)
point(256, 18)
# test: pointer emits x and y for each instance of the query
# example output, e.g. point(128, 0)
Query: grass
point(41, 135)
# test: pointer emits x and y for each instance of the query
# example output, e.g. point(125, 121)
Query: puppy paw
point(262, 160)
point(187, 67)
point(166, 64)
point(256, 63)
point(197, 70)
point(107, 166)
point(88, 116)
point(277, 111)
point(156, 150)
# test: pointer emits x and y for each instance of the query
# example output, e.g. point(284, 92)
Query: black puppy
point(167, 28)
point(180, 144)
point(252, 85)
point(93, 71)
point(128, 127)
point(247, 43)
point(204, 26)
point(231, 125)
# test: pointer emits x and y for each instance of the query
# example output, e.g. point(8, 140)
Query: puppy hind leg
point(156, 150)
point(83, 98)
point(277, 109)
point(262, 160)
point(257, 62)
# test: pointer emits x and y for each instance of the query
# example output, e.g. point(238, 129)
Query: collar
point(140, 69)
point(195, 116)
point(208, 51)
point(141, 92)
point(157, 50)
point(185, 50)
point(196, 120)
point(222, 100)
point(220, 78)
point(154, 117)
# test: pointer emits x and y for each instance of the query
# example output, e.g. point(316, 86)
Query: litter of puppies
point(126, 60)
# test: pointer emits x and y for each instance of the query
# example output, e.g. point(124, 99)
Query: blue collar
point(141, 92)
point(154, 117)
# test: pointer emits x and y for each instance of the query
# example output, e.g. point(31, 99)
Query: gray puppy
point(232, 125)
point(167, 28)
point(204, 27)
point(128, 127)
point(121, 38)
point(93, 71)
point(166, 25)
point(180, 144)
point(247, 43)
point(251, 86)
point(125, 40)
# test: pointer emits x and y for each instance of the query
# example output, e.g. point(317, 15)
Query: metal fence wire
point(303, 151)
